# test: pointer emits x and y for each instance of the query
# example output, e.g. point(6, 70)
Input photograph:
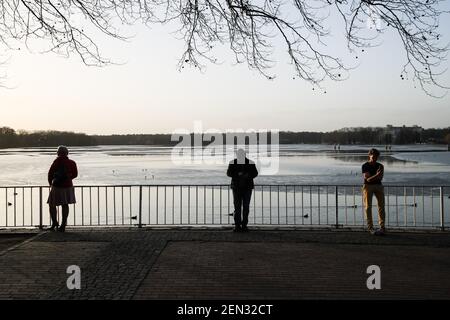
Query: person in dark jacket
point(242, 172)
point(62, 193)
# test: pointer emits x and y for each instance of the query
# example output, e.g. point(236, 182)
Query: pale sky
point(147, 94)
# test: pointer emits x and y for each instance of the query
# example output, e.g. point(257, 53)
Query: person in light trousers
point(373, 173)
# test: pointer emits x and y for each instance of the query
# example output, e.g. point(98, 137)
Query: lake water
point(298, 164)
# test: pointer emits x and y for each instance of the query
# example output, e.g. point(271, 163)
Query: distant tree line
point(134, 139)
point(403, 135)
point(9, 138)
point(357, 136)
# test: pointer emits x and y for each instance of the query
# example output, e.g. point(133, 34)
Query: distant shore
point(283, 147)
point(381, 136)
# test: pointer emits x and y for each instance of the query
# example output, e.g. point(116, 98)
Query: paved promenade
point(220, 264)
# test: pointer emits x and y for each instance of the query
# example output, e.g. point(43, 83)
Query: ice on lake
point(298, 164)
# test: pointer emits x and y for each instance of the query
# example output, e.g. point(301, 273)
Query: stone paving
point(8, 240)
point(219, 264)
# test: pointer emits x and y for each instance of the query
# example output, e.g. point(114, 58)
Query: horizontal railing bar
point(225, 185)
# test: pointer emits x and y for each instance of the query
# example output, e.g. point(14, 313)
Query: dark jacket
point(70, 169)
point(242, 175)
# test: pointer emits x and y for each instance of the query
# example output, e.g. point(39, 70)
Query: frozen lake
point(298, 164)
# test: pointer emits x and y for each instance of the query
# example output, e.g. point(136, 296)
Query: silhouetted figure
point(373, 174)
point(242, 172)
point(62, 192)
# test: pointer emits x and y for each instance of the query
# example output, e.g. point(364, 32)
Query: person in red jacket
point(62, 193)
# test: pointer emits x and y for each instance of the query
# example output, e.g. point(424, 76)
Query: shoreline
point(301, 148)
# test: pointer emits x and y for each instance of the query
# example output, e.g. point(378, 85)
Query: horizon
point(223, 132)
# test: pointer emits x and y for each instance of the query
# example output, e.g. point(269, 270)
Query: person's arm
point(254, 171)
point(74, 170)
point(378, 175)
point(380, 172)
point(51, 173)
point(230, 170)
point(366, 173)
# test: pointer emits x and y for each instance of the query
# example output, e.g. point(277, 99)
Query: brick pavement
point(219, 264)
point(287, 270)
point(8, 240)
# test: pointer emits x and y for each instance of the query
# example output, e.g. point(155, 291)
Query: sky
point(146, 93)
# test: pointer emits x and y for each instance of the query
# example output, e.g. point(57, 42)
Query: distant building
point(392, 134)
point(384, 135)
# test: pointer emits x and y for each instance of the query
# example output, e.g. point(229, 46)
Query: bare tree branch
point(249, 27)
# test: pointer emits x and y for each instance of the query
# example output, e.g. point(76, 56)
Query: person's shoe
point(372, 232)
point(237, 229)
point(381, 232)
point(62, 229)
point(244, 229)
point(54, 227)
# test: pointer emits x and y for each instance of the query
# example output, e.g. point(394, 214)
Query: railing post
point(40, 210)
point(337, 207)
point(140, 207)
point(441, 189)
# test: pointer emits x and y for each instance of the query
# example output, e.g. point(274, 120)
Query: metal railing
point(420, 207)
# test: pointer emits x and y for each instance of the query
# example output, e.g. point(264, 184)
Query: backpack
point(60, 176)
